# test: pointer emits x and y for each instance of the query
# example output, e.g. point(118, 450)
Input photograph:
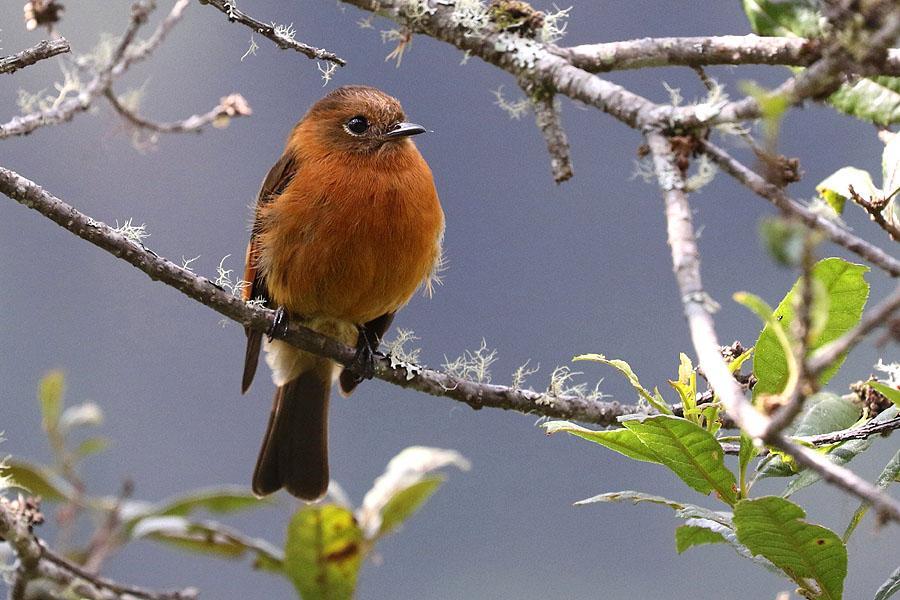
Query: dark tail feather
point(251, 358)
point(294, 453)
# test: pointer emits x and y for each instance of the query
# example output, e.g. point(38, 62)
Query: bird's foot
point(364, 359)
point(279, 325)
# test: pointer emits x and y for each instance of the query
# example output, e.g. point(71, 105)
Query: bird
point(347, 226)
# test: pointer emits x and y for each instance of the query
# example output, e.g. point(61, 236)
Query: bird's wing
point(276, 181)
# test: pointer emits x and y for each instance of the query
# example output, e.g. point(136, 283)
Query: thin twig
point(29, 56)
point(876, 213)
point(233, 105)
point(876, 317)
point(547, 117)
point(476, 395)
point(282, 36)
point(870, 429)
point(776, 196)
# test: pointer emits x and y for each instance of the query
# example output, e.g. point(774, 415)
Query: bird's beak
point(404, 130)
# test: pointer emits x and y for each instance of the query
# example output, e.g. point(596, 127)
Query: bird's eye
point(357, 125)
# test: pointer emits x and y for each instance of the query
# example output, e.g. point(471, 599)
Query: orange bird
point(347, 226)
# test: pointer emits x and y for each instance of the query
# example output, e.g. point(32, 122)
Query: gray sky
point(542, 272)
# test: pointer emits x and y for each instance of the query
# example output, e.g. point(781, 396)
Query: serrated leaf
point(405, 470)
point(873, 99)
point(846, 289)
point(889, 474)
point(406, 502)
point(889, 587)
point(891, 393)
point(772, 527)
point(50, 395)
point(835, 189)
point(625, 369)
point(683, 510)
point(726, 532)
point(207, 537)
point(688, 536)
point(689, 451)
point(323, 552)
point(39, 480)
point(822, 413)
point(623, 441)
point(840, 455)
point(790, 18)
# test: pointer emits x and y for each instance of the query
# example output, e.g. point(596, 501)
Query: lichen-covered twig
point(477, 395)
point(703, 51)
point(37, 561)
point(29, 56)
point(547, 118)
point(282, 36)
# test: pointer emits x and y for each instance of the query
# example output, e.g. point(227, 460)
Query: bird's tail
point(294, 452)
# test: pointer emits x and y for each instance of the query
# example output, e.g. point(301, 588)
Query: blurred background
point(540, 271)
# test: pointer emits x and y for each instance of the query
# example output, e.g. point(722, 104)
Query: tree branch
point(29, 56)
point(698, 307)
point(872, 428)
point(703, 51)
point(282, 36)
point(477, 395)
point(791, 207)
point(37, 561)
point(547, 118)
point(233, 105)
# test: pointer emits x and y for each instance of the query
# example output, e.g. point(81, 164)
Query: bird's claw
point(279, 325)
point(364, 359)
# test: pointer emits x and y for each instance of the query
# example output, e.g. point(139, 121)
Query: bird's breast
point(351, 242)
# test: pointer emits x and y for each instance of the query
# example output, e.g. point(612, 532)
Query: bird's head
point(357, 120)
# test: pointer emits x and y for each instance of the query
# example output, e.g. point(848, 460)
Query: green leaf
point(207, 537)
point(790, 18)
point(835, 189)
point(822, 413)
point(625, 369)
point(772, 526)
point(623, 441)
point(891, 393)
point(92, 445)
point(840, 455)
point(889, 587)
point(323, 552)
point(406, 502)
point(688, 536)
point(220, 500)
point(846, 291)
point(872, 99)
point(39, 481)
point(689, 451)
point(396, 494)
point(683, 510)
point(889, 474)
point(50, 395)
